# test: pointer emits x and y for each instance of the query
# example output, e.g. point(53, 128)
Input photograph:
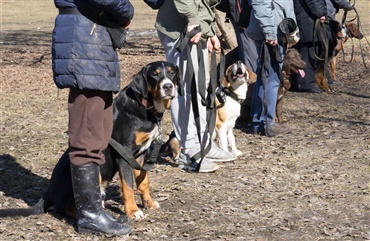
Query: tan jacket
point(174, 15)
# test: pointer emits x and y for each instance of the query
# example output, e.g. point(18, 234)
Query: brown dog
point(349, 30)
point(292, 63)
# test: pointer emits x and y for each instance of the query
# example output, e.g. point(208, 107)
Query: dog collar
point(149, 106)
point(229, 92)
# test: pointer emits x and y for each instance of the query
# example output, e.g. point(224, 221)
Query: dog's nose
point(238, 62)
point(168, 87)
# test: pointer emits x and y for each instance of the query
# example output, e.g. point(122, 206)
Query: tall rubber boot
point(91, 218)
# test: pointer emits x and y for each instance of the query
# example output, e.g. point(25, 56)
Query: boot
point(91, 218)
point(275, 129)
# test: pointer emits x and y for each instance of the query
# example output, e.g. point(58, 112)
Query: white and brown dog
point(235, 84)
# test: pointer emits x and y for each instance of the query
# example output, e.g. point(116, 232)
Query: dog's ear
point(252, 77)
point(140, 82)
point(353, 29)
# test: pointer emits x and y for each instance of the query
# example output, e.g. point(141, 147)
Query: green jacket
point(174, 15)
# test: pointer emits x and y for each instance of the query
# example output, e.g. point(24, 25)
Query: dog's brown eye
point(156, 73)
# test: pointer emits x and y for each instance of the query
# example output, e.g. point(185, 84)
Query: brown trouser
point(90, 125)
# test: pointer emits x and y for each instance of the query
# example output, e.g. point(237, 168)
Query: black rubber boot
point(91, 218)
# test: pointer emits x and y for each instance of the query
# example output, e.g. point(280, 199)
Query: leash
point(208, 101)
point(265, 62)
point(183, 44)
point(359, 41)
point(324, 34)
point(344, 20)
point(128, 157)
point(152, 154)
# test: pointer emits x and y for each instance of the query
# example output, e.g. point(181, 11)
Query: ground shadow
point(20, 183)
point(26, 37)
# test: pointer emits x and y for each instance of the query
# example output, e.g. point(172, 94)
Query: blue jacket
point(82, 55)
point(333, 7)
point(266, 16)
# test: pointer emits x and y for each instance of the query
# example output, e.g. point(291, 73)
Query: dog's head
point(237, 74)
point(337, 30)
point(157, 82)
point(352, 30)
point(293, 62)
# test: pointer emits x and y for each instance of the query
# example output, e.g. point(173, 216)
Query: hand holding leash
point(197, 36)
point(213, 43)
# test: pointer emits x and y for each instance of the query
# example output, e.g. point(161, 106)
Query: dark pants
point(90, 125)
point(307, 82)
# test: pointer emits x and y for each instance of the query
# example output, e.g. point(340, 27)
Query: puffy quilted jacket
point(307, 12)
point(82, 55)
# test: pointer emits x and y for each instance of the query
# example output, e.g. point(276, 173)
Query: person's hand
point(271, 42)
point(196, 38)
point(351, 7)
point(213, 43)
point(125, 25)
point(322, 19)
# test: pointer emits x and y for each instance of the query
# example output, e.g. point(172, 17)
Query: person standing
point(263, 28)
point(84, 61)
point(307, 13)
point(194, 19)
point(239, 14)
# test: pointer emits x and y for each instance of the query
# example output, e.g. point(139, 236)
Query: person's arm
point(263, 13)
point(121, 10)
point(342, 4)
point(317, 8)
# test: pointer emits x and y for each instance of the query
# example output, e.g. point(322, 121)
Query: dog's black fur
point(137, 109)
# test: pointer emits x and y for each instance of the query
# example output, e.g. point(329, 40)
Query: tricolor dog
point(235, 85)
point(138, 110)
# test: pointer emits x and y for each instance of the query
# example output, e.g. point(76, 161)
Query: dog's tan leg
point(321, 80)
point(279, 110)
point(128, 197)
point(333, 66)
point(142, 182)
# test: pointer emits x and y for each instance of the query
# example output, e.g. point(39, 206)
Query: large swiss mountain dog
point(138, 110)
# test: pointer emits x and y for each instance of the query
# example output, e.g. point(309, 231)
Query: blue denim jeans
point(265, 92)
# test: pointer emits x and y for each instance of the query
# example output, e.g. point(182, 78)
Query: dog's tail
point(36, 209)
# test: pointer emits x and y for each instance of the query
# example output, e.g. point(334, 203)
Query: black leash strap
point(265, 66)
point(128, 157)
point(199, 88)
point(324, 34)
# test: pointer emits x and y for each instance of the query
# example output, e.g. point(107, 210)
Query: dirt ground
point(312, 184)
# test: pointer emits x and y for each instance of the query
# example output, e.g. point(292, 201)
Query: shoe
point(275, 129)
point(314, 89)
point(91, 218)
point(218, 155)
point(332, 81)
point(186, 164)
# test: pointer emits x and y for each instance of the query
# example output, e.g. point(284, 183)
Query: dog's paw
point(238, 153)
point(138, 215)
point(155, 206)
point(151, 204)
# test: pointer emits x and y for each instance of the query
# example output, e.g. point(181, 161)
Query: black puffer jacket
point(307, 12)
point(83, 56)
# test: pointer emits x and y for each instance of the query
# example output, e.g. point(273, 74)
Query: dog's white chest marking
point(152, 135)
